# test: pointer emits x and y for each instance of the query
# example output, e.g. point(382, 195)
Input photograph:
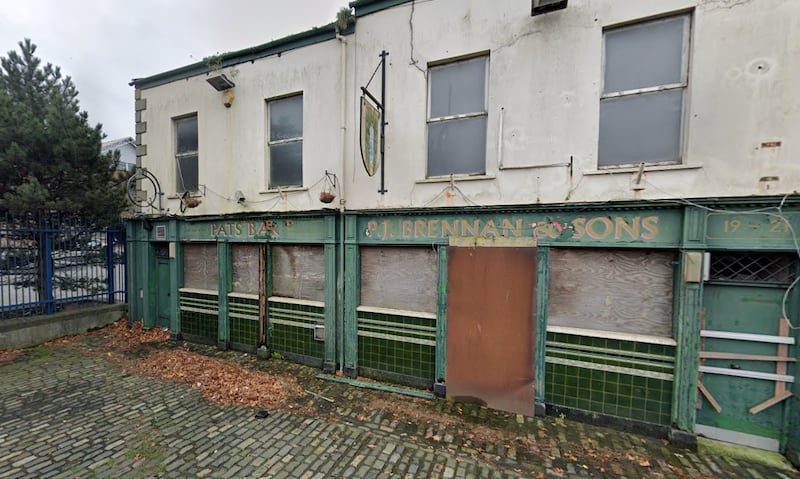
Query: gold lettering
point(264, 228)
point(449, 228)
point(579, 226)
point(594, 234)
point(513, 229)
point(419, 228)
point(433, 228)
point(408, 229)
point(650, 224)
point(489, 229)
point(371, 227)
point(472, 229)
point(238, 229)
point(631, 229)
point(251, 229)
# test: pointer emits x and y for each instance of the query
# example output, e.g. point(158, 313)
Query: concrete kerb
point(26, 332)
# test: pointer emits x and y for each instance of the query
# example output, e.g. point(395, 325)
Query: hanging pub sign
point(370, 136)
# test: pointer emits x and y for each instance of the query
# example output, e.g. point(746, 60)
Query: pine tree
point(50, 159)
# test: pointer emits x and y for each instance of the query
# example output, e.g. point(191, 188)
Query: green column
point(225, 269)
point(441, 316)
point(352, 294)
point(687, 326)
point(542, 287)
point(331, 303)
point(176, 282)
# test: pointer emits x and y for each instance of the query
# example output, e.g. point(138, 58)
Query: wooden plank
point(200, 268)
point(742, 373)
point(398, 277)
point(770, 402)
point(746, 357)
point(246, 265)
point(759, 338)
point(783, 350)
point(612, 290)
point(708, 396)
point(298, 271)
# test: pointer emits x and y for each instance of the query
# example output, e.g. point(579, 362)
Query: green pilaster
point(149, 279)
point(694, 228)
point(441, 316)
point(225, 268)
point(330, 294)
point(268, 293)
point(352, 291)
point(137, 256)
point(542, 288)
point(687, 326)
point(176, 282)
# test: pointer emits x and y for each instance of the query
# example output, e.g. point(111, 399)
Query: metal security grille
point(775, 268)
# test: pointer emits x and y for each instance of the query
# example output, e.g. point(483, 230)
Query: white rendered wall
point(741, 116)
point(232, 141)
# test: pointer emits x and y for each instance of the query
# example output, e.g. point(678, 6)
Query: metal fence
point(52, 263)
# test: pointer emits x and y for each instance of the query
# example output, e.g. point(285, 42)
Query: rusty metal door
point(491, 326)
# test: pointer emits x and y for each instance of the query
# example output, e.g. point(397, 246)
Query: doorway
point(491, 326)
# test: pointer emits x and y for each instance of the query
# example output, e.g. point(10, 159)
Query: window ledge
point(446, 179)
point(289, 189)
point(179, 196)
point(635, 169)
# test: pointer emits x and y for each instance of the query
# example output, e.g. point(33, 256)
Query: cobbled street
point(73, 413)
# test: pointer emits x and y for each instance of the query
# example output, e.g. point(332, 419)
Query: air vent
point(545, 6)
point(161, 232)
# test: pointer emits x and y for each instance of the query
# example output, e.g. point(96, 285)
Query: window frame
point(463, 116)
point(286, 141)
point(683, 84)
point(180, 183)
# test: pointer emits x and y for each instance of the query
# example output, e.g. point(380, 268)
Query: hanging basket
point(326, 196)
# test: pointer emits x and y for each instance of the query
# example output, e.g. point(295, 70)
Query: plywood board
point(200, 268)
point(245, 267)
point(612, 290)
point(491, 327)
point(298, 271)
point(399, 278)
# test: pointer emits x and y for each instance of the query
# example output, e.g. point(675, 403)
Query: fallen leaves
point(10, 356)
point(219, 381)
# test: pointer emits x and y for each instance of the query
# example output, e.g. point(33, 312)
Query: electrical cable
point(766, 211)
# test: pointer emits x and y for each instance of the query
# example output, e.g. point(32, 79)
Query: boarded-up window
point(200, 268)
point(245, 267)
point(399, 278)
point(611, 290)
point(298, 272)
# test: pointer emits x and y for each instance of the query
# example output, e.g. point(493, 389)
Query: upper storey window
point(644, 88)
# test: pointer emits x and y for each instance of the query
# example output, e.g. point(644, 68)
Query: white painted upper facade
point(545, 79)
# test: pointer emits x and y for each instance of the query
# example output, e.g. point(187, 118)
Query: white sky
point(104, 44)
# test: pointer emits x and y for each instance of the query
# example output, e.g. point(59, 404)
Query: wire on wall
point(769, 211)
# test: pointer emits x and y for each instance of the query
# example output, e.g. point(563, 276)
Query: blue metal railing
point(52, 263)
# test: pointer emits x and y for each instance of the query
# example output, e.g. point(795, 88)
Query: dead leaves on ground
point(219, 381)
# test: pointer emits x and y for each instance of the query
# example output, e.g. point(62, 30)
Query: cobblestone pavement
point(65, 414)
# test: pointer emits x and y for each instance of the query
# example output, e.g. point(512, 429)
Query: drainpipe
point(342, 165)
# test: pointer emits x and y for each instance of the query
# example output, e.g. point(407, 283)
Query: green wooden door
point(163, 293)
point(753, 309)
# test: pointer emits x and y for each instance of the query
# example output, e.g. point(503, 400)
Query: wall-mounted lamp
point(221, 82)
point(539, 7)
point(224, 84)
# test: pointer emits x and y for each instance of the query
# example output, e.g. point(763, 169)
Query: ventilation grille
point(774, 268)
point(161, 232)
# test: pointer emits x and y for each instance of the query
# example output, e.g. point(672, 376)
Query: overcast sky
point(104, 44)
